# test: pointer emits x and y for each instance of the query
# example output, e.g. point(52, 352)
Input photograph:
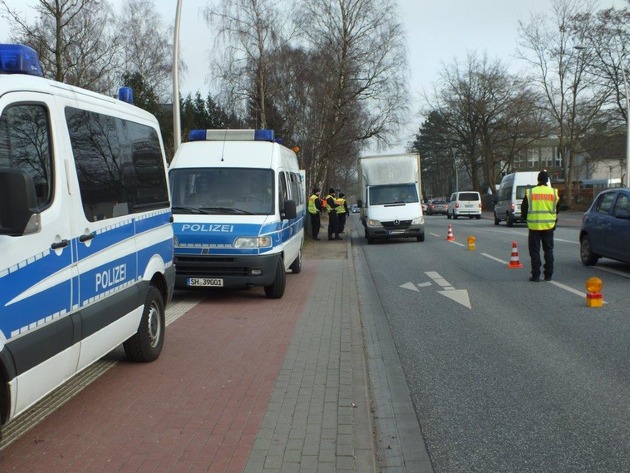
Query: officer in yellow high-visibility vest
point(342, 211)
point(333, 216)
point(314, 208)
point(540, 209)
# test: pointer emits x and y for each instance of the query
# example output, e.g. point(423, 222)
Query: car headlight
point(253, 242)
point(417, 221)
point(374, 223)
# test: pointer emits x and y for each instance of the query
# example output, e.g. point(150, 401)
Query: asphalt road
point(507, 375)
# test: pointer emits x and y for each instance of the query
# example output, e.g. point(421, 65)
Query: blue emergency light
point(19, 59)
point(231, 135)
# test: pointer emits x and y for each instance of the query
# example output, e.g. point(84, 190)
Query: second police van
point(239, 206)
point(86, 240)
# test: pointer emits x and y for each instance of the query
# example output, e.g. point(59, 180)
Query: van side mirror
point(289, 210)
point(360, 203)
point(18, 203)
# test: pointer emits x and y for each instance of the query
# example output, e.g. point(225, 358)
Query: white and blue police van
point(239, 205)
point(86, 239)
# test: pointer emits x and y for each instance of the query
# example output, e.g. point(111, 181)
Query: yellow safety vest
point(330, 209)
point(312, 209)
point(541, 208)
point(341, 209)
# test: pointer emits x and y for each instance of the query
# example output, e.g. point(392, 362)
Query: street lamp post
point(625, 86)
point(177, 129)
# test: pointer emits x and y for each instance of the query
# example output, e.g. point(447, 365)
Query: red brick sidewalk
point(196, 409)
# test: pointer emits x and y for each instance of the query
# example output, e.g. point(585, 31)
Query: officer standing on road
point(333, 220)
point(540, 209)
point(314, 209)
point(342, 212)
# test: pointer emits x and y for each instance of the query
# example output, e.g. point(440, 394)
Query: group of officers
point(336, 208)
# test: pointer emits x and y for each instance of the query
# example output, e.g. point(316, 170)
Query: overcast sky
point(438, 32)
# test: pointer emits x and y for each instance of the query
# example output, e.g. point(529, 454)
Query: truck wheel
point(276, 289)
point(146, 344)
point(296, 266)
point(509, 221)
point(370, 240)
point(420, 237)
point(478, 217)
point(496, 219)
point(448, 215)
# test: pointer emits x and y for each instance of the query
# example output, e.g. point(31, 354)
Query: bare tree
point(549, 44)
point(146, 46)
point(250, 31)
point(487, 116)
point(74, 39)
point(361, 68)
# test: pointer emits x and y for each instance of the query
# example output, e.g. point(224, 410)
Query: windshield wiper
point(229, 210)
point(185, 209)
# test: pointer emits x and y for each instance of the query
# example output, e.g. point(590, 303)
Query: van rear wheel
point(146, 344)
point(276, 289)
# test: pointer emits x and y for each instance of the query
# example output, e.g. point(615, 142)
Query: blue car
point(605, 228)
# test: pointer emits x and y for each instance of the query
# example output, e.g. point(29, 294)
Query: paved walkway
point(244, 384)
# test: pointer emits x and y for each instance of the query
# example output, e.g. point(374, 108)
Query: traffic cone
point(450, 236)
point(514, 262)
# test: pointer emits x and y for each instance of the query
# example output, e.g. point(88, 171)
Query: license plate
point(468, 206)
point(396, 232)
point(214, 282)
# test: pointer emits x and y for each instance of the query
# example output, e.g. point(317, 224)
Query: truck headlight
point(417, 221)
point(253, 242)
point(374, 223)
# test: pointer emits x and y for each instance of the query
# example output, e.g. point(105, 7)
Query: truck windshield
point(230, 191)
point(393, 194)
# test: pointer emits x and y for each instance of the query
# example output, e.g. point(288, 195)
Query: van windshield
point(393, 194)
point(222, 191)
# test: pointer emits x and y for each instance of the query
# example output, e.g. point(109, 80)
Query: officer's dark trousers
point(333, 225)
point(315, 224)
point(534, 240)
point(342, 223)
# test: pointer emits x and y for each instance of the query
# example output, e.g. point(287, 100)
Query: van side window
point(119, 165)
point(284, 192)
point(25, 145)
point(296, 195)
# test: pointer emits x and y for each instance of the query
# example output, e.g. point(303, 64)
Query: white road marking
point(493, 258)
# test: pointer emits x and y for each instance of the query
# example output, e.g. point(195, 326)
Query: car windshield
point(222, 191)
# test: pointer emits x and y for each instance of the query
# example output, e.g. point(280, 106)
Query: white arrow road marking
point(457, 295)
point(424, 284)
point(410, 285)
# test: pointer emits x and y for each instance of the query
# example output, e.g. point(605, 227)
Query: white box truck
point(391, 195)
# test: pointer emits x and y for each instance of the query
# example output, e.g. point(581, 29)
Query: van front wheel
point(276, 289)
point(146, 344)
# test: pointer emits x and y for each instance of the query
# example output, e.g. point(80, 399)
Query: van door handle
point(87, 237)
point(60, 244)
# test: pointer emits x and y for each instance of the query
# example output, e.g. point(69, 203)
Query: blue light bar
point(231, 135)
point(125, 94)
point(19, 59)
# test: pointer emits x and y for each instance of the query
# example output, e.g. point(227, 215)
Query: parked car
point(355, 209)
point(467, 203)
point(605, 230)
point(437, 207)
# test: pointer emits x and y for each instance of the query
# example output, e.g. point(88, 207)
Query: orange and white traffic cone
point(450, 236)
point(514, 262)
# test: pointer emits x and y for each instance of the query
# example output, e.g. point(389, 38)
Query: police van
point(86, 240)
point(238, 209)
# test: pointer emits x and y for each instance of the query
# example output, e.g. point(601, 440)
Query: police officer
point(342, 211)
point(333, 216)
point(540, 209)
point(314, 209)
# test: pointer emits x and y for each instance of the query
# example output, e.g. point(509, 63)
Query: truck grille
point(396, 224)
